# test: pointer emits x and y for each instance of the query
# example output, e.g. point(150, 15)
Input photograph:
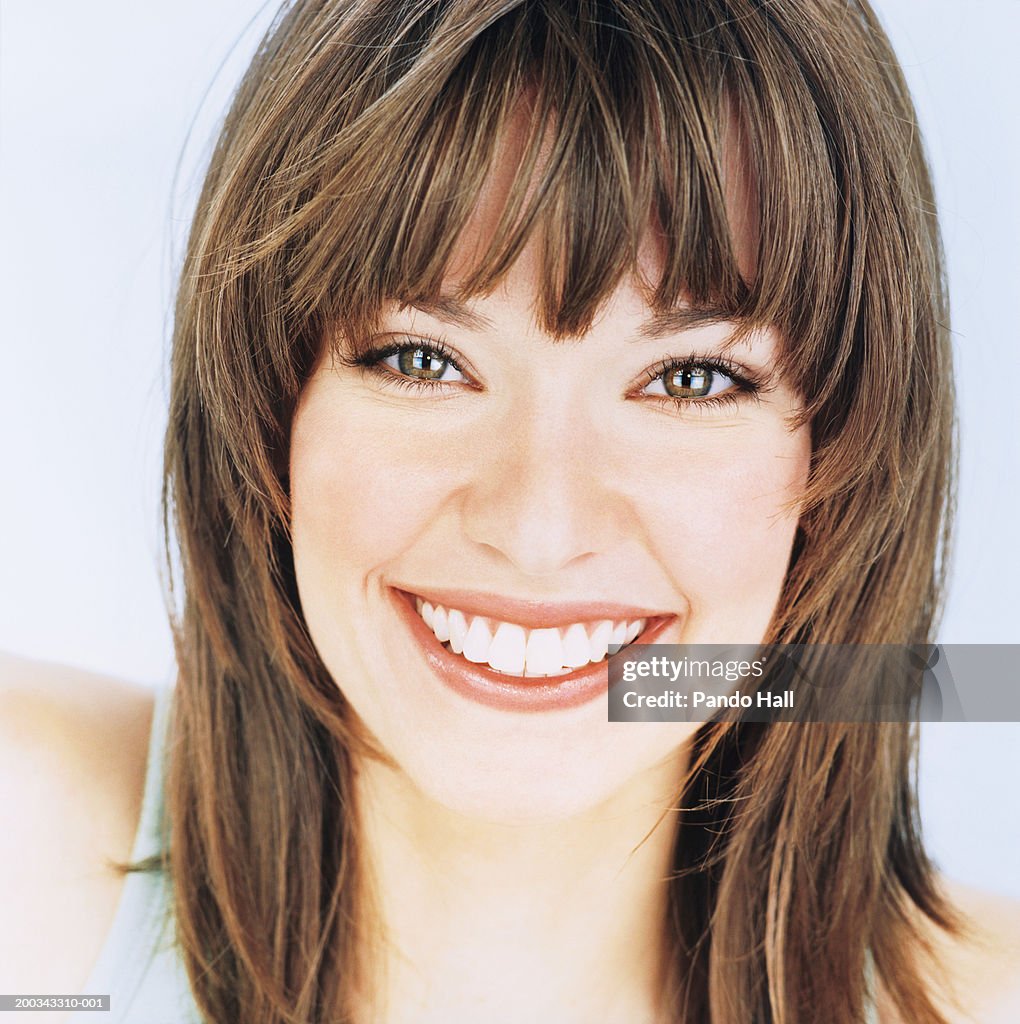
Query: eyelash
point(745, 385)
point(371, 361)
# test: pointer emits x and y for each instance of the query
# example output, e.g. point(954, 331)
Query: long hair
point(349, 163)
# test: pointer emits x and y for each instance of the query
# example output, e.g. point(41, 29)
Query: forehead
point(501, 198)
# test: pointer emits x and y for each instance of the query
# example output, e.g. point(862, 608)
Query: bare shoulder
point(985, 963)
point(978, 972)
point(73, 749)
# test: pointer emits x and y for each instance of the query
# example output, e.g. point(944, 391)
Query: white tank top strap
point(871, 989)
point(140, 966)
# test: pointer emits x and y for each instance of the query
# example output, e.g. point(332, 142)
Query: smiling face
point(539, 494)
point(480, 509)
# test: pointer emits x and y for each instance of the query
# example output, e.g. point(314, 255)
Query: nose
point(539, 498)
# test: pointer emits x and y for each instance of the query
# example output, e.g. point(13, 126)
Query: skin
point(537, 470)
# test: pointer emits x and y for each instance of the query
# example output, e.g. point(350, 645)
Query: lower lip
point(506, 692)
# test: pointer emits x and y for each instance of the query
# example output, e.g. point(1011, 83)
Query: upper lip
point(530, 613)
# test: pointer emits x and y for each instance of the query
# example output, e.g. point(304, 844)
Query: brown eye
point(688, 381)
point(420, 362)
point(693, 381)
point(423, 363)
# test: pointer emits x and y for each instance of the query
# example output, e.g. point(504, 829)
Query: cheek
point(357, 503)
point(721, 520)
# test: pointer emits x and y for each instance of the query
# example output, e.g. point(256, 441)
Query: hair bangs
point(600, 130)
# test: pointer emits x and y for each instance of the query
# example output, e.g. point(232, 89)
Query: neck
point(483, 920)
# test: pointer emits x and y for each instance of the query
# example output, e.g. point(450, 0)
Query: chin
point(542, 782)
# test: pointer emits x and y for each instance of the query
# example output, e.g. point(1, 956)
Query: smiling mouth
point(556, 662)
point(511, 649)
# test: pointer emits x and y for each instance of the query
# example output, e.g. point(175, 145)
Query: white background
point(96, 104)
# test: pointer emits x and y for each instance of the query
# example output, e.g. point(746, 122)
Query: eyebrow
point(676, 321)
point(660, 325)
point(451, 310)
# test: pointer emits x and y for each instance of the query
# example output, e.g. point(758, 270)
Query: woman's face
point(463, 457)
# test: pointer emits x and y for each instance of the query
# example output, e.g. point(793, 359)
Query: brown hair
point(350, 160)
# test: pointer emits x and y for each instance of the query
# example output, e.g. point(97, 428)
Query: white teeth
point(515, 650)
point(508, 648)
point(440, 623)
point(478, 640)
point(544, 655)
point(457, 625)
point(576, 649)
point(599, 643)
point(618, 637)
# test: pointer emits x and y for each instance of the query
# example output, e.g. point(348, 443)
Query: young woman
point(509, 330)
